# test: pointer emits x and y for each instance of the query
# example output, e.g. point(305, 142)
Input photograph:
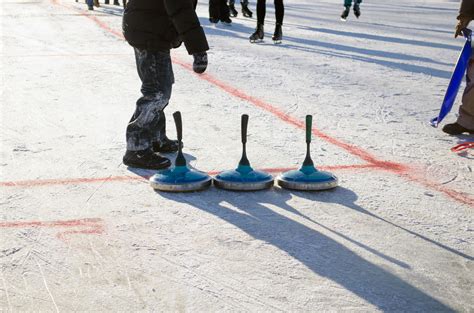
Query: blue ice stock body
point(243, 178)
point(456, 79)
point(307, 178)
point(180, 179)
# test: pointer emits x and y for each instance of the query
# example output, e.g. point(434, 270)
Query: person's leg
point(347, 9)
point(245, 8)
point(279, 11)
point(147, 123)
point(466, 110)
point(90, 4)
point(214, 11)
point(224, 13)
point(261, 11)
point(232, 11)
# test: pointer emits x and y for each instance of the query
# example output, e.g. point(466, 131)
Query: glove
point(200, 62)
point(463, 22)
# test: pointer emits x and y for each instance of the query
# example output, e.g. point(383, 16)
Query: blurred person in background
point(244, 4)
point(261, 11)
point(347, 9)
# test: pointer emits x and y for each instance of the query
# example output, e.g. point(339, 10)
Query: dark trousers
point(148, 123)
point(348, 3)
point(279, 11)
point(218, 9)
point(244, 2)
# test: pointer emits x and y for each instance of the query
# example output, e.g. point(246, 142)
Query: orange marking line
point(76, 181)
point(401, 170)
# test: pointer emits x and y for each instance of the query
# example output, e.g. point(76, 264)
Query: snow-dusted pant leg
point(148, 123)
point(466, 110)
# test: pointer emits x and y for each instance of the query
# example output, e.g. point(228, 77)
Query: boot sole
point(163, 165)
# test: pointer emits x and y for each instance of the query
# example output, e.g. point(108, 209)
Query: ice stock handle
point(309, 127)
point(244, 125)
point(179, 125)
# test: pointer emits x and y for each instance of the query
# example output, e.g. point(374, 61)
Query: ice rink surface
point(81, 232)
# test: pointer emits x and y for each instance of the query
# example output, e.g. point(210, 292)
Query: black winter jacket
point(162, 25)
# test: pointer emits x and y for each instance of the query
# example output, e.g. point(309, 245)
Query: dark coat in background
point(467, 9)
point(160, 25)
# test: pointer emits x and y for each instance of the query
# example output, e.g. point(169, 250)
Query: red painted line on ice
point(402, 170)
point(77, 181)
point(67, 181)
point(50, 224)
point(86, 226)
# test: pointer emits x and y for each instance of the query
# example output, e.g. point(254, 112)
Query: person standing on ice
point(347, 5)
point(219, 11)
point(261, 11)
point(465, 121)
point(153, 28)
point(245, 8)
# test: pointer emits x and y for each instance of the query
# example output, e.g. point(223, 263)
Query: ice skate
point(233, 11)
point(226, 21)
point(277, 35)
point(258, 34)
point(245, 11)
point(345, 13)
point(356, 10)
point(213, 20)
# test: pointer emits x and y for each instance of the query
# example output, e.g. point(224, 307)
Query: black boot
point(146, 159)
point(345, 13)
point(106, 2)
point(278, 34)
point(116, 2)
point(166, 146)
point(258, 34)
point(226, 21)
point(456, 129)
point(232, 10)
point(245, 10)
point(356, 10)
point(124, 3)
